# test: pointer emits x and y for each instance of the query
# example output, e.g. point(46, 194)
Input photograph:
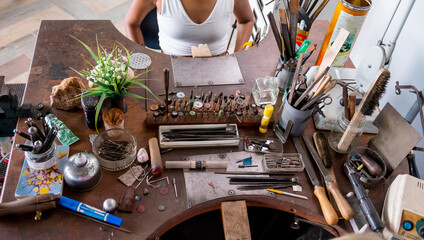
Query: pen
point(286, 193)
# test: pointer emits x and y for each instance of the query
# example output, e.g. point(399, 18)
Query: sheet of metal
point(395, 138)
point(189, 72)
point(205, 185)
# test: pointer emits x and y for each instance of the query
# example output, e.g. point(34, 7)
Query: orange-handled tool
point(328, 211)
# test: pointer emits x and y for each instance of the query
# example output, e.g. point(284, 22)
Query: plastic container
point(43, 160)
point(116, 149)
point(339, 127)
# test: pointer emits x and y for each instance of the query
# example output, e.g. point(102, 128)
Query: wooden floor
point(19, 21)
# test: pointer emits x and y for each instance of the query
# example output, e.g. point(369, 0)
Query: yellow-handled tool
point(287, 193)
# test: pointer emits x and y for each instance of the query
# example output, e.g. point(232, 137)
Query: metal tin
point(350, 15)
point(82, 171)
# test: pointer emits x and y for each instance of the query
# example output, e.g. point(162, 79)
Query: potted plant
point(110, 76)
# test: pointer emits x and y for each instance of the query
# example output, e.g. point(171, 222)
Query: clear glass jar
point(43, 160)
point(265, 90)
point(338, 129)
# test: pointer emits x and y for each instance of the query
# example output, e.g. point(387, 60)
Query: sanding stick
point(155, 157)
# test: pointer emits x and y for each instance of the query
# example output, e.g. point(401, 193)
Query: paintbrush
point(366, 108)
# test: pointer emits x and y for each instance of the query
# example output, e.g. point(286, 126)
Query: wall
point(407, 62)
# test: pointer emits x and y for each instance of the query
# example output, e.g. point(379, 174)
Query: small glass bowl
point(368, 181)
point(115, 148)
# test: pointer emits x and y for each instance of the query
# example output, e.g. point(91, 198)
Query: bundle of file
point(296, 14)
point(201, 134)
point(37, 141)
point(314, 95)
point(255, 183)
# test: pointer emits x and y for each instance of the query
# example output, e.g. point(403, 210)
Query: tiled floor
point(19, 21)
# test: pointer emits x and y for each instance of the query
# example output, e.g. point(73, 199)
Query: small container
point(115, 148)
point(367, 180)
point(89, 106)
point(339, 127)
point(82, 171)
point(263, 128)
point(265, 90)
point(298, 117)
point(43, 160)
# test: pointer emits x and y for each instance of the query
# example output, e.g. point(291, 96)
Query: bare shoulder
point(242, 11)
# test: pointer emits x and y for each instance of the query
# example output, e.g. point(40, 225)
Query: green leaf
point(99, 108)
point(128, 94)
point(87, 47)
point(147, 88)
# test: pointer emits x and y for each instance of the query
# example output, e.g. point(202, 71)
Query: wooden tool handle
point(373, 168)
point(328, 211)
point(344, 207)
point(351, 131)
point(322, 85)
point(352, 104)
point(155, 157)
point(28, 201)
point(14, 209)
point(195, 164)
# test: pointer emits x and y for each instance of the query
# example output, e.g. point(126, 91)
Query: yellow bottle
point(269, 109)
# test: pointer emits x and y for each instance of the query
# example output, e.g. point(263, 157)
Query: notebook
point(34, 182)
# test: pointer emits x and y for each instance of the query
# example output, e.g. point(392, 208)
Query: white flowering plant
point(110, 75)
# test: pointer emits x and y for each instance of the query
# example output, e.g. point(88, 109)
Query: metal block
point(189, 72)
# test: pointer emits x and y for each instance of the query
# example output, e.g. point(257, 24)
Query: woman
point(186, 23)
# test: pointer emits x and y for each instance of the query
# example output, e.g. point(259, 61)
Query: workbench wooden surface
point(56, 52)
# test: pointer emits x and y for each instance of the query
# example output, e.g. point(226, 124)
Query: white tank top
point(177, 32)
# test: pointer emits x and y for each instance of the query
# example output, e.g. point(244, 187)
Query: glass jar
point(43, 160)
point(338, 129)
point(265, 90)
point(89, 104)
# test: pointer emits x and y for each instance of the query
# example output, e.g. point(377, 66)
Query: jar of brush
point(113, 118)
point(339, 128)
point(345, 134)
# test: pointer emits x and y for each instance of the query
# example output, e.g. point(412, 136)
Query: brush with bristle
point(323, 149)
point(365, 108)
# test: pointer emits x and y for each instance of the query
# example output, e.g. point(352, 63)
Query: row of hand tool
point(204, 106)
point(37, 141)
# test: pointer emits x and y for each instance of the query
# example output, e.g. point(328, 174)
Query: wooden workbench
point(56, 52)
